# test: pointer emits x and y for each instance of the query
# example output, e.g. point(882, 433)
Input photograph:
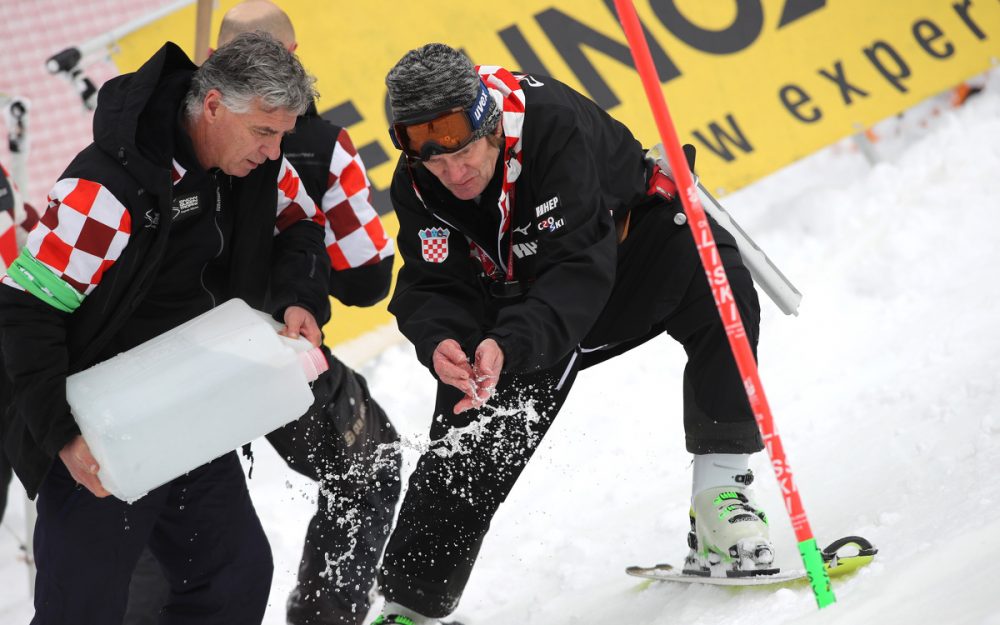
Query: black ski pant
point(202, 528)
point(478, 455)
point(346, 443)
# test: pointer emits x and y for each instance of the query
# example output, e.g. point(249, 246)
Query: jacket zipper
point(218, 230)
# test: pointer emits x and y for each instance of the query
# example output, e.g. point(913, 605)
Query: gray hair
point(253, 65)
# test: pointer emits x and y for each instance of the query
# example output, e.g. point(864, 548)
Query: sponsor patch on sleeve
point(185, 206)
point(547, 206)
point(551, 222)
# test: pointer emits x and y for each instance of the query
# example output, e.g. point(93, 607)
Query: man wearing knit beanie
point(537, 241)
point(435, 78)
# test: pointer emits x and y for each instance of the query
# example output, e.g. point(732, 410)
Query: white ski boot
point(729, 535)
point(396, 614)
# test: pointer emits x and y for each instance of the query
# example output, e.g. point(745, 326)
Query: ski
point(862, 552)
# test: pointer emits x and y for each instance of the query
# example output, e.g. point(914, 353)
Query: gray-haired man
point(181, 202)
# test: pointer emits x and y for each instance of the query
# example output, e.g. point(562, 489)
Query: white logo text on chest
point(547, 206)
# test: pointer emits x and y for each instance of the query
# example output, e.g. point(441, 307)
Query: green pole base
point(819, 579)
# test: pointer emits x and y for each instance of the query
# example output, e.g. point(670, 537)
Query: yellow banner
point(753, 84)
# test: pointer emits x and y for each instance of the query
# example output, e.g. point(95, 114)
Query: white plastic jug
point(191, 395)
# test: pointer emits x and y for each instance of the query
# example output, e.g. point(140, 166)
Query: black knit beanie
point(434, 78)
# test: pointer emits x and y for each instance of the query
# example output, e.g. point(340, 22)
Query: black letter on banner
point(741, 33)
point(845, 87)
point(794, 9)
point(801, 98)
point(527, 61)
point(925, 32)
point(569, 36)
point(963, 12)
point(719, 148)
point(894, 79)
point(371, 154)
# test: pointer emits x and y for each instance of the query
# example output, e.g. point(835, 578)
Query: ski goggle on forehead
point(441, 132)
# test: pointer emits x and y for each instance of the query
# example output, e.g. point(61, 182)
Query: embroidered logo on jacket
point(551, 223)
point(529, 248)
point(184, 206)
point(434, 244)
point(531, 80)
point(547, 206)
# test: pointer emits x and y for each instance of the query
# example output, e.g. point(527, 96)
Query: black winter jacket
point(581, 169)
point(131, 157)
point(310, 149)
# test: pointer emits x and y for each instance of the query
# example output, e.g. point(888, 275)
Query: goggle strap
point(481, 105)
point(395, 140)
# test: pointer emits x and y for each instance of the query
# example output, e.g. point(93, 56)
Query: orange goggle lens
point(448, 132)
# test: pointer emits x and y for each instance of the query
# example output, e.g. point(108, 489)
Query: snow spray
point(726, 304)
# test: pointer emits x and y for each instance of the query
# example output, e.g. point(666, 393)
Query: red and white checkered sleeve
point(294, 204)
point(354, 234)
point(80, 236)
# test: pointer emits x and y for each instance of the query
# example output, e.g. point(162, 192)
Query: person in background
point(346, 441)
point(538, 240)
point(17, 218)
point(182, 202)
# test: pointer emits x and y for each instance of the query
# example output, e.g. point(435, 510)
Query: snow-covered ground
point(885, 390)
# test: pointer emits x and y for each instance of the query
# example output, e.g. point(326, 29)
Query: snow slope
point(885, 391)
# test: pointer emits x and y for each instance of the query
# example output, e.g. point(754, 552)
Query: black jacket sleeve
point(433, 301)
point(300, 270)
point(362, 286)
point(36, 362)
point(575, 263)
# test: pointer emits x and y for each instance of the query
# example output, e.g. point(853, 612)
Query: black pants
point(201, 527)
point(346, 443)
point(478, 455)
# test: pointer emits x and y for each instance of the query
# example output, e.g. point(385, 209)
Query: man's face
point(239, 142)
point(467, 172)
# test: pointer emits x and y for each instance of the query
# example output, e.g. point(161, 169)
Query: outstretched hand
point(82, 466)
point(476, 381)
point(485, 375)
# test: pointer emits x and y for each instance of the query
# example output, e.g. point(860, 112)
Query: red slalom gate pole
point(812, 558)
